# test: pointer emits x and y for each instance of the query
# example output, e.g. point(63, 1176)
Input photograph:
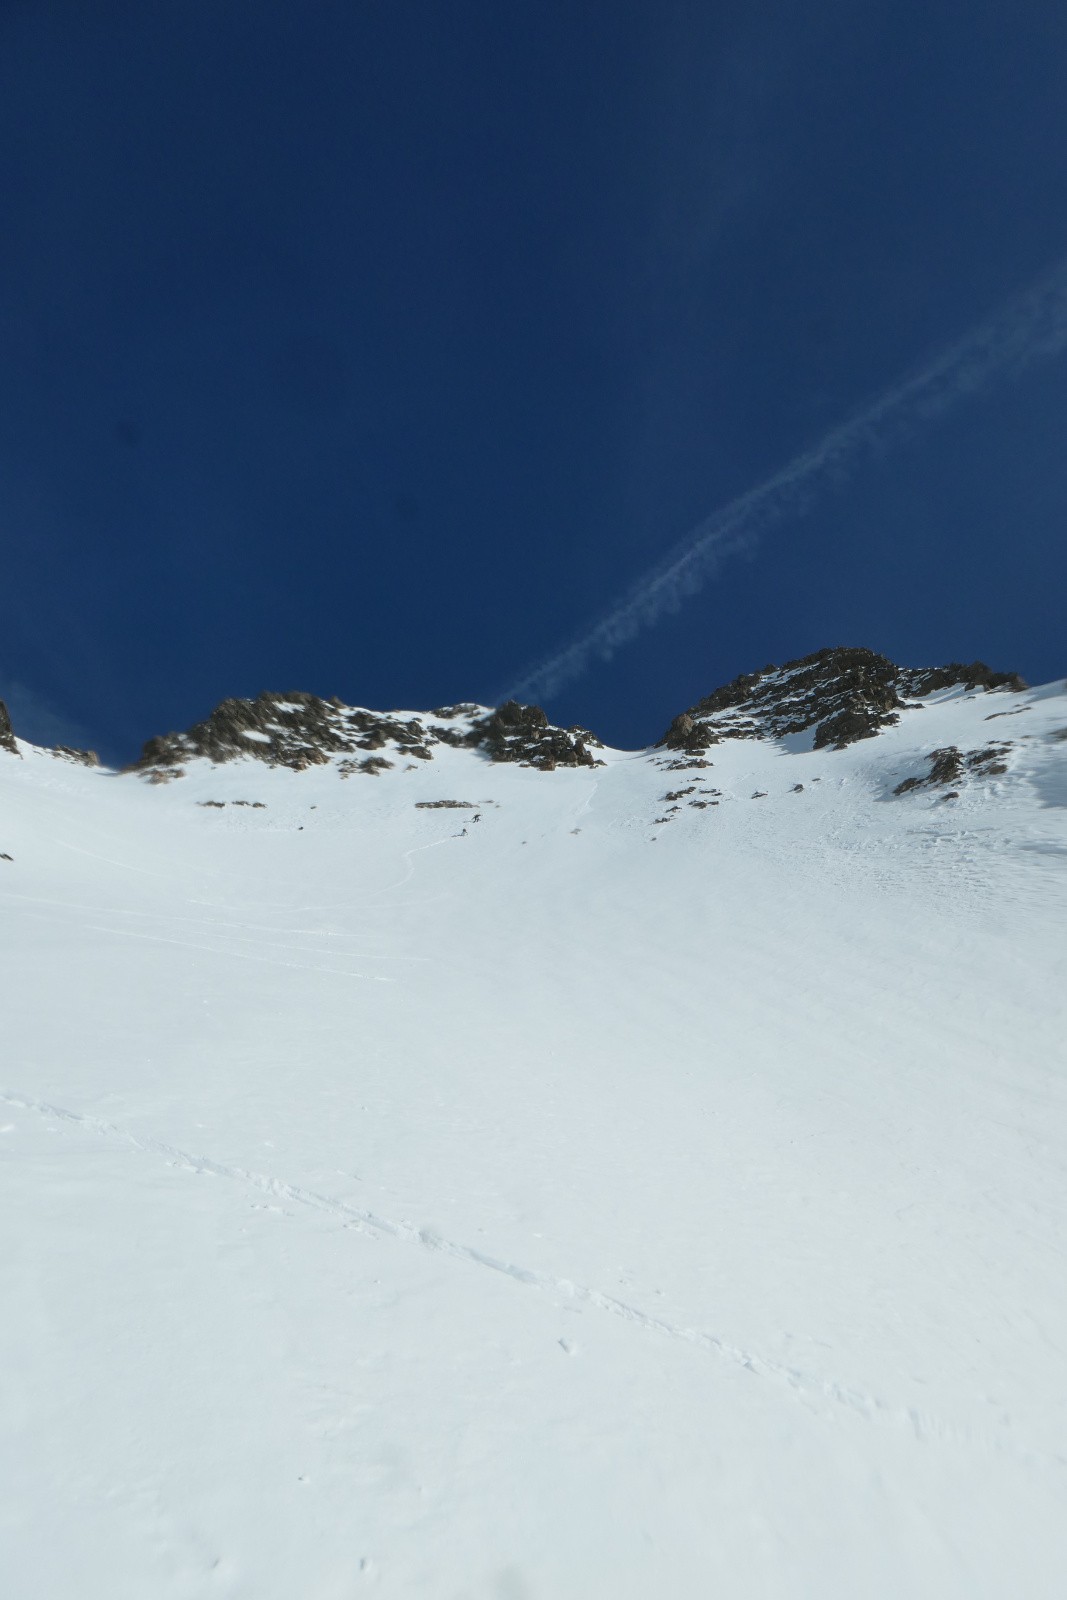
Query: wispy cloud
point(1028, 329)
point(34, 720)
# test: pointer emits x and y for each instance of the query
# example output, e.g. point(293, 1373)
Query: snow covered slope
point(641, 1178)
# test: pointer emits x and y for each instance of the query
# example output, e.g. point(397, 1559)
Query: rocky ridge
point(299, 730)
point(843, 694)
point(837, 696)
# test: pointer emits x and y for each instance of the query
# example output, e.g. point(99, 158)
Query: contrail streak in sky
point(1029, 328)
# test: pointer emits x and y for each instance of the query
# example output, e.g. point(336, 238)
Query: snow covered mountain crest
point(827, 701)
point(842, 694)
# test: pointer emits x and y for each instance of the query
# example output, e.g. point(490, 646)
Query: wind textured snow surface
point(562, 1203)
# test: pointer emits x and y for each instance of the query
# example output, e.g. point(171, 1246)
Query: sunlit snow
point(563, 1203)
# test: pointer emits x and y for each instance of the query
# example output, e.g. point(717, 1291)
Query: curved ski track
point(807, 1387)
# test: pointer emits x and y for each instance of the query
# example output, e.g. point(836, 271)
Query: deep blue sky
point(372, 348)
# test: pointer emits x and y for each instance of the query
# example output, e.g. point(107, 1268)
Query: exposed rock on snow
point(523, 733)
point(694, 764)
point(949, 765)
point(295, 730)
point(946, 766)
point(370, 764)
point(299, 730)
point(7, 735)
point(844, 694)
point(83, 758)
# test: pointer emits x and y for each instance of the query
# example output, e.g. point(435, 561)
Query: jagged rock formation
point(844, 694)
point(299, 730)
point(7, 734)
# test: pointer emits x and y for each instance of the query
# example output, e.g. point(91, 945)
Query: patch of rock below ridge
point(950, 765)
point(300, 730)
point(844, 694)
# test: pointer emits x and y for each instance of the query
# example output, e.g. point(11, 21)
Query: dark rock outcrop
point(82, 758)
point(950, 765)
point(7, 734)
point(300, 730)
point(371, 765)
point(921, 681)
point(514, 732)
point(294, 730)
point(844, 694)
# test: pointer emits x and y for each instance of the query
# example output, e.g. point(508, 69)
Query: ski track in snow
point(924, 1426)
point(231, 949)
point(199, 922)
point(241, 955)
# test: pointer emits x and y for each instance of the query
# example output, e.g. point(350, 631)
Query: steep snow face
point(464, 1179)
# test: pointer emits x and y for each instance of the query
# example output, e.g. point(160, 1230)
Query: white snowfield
point(537, 1200)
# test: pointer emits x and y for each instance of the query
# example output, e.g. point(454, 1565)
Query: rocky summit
point(300, 730)
point(842, 694)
